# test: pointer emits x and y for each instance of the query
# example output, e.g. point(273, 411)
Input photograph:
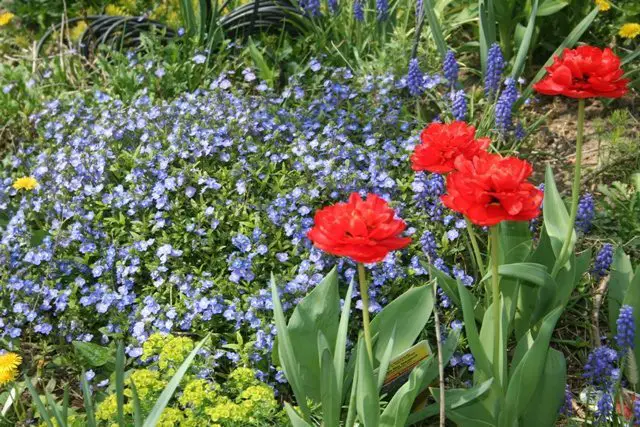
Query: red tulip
point(363, 230)
point(489, 189)
point(584, 72)
point(443, 143)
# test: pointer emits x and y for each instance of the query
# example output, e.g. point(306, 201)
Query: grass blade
point(88, 402)
point(137, 409)
point(167, 393)
point(436, 30)
point(523, 50)
point(120, 362)
point(339, 353)
point(42, 410)
point(54, 408)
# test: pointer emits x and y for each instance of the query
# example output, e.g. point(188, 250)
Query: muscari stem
point(495, 291)
point(476, 248)
point(364, 295)
point(575, 193)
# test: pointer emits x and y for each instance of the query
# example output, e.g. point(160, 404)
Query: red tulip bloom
point(491, 188)
point(443, 143)
point(584, 72)
point(363, 230)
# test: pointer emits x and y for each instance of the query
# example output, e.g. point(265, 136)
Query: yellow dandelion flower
point(7, 376)
point(113, 10)
point(603, 5)
point(25, 183)
point(630, 30)
point(6, 18)
point(76, 32)
point(9, 361)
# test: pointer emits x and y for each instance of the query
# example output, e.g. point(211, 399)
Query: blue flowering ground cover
point(170, 216)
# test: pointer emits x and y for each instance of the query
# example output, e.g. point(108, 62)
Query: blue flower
point(600, 366)
point(603, 260)
point(199, 59)
point(458, 102)
point(495, 67)
point(358, 10)
point(450, 68)
point(625, 329)
point(382, 7)
point(415, 78)
point(586, 213)
point(504, 106)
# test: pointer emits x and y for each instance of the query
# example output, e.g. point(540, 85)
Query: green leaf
point(454, 398)
point(556, 217)
point(436, 30)
point(543, 410)
point(532, 273)
point(549, 7)
point(367, 400)
point(448, 348)
point(286, 354)
point(93, 355)
point(523, 50)
point(318, 311)
point(632, 298)
point(526, 376)
point(397, 411)
point(620, 276)
point(409, 313)
point(329, 396)
point(568, 42)
point(294, 417)
point(169, 390)
point(339, 352)
point(483, 365)
point(487, 338)
point(472, 415)
point(487, 27)
point(386, 358)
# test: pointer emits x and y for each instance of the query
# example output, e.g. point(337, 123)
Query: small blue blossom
point(199, 59)
point(415, 78)
point(505, 104)
point(603, 260)
point(586, 213)
point(450, 68)
point(625, 329)
point(495, 67)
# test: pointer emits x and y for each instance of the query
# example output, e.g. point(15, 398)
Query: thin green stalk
point(476, 248)
point(364, 295)
point(505, 39)
point(495, 291)
point(575, 193)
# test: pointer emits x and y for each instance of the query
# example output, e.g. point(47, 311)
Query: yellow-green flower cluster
point(173, 353)
point(240, 401)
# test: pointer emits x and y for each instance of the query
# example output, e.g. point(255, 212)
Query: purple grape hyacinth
point(415, 78)
point(450, 68)
point(625, 329)
point(504, 106)
point(586, 213)
point(495, 67)
point(603, 260)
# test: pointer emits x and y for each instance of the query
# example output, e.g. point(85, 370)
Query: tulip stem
point(364, 296)
point(575, 193)
point(476, 248)
point(495, 291)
